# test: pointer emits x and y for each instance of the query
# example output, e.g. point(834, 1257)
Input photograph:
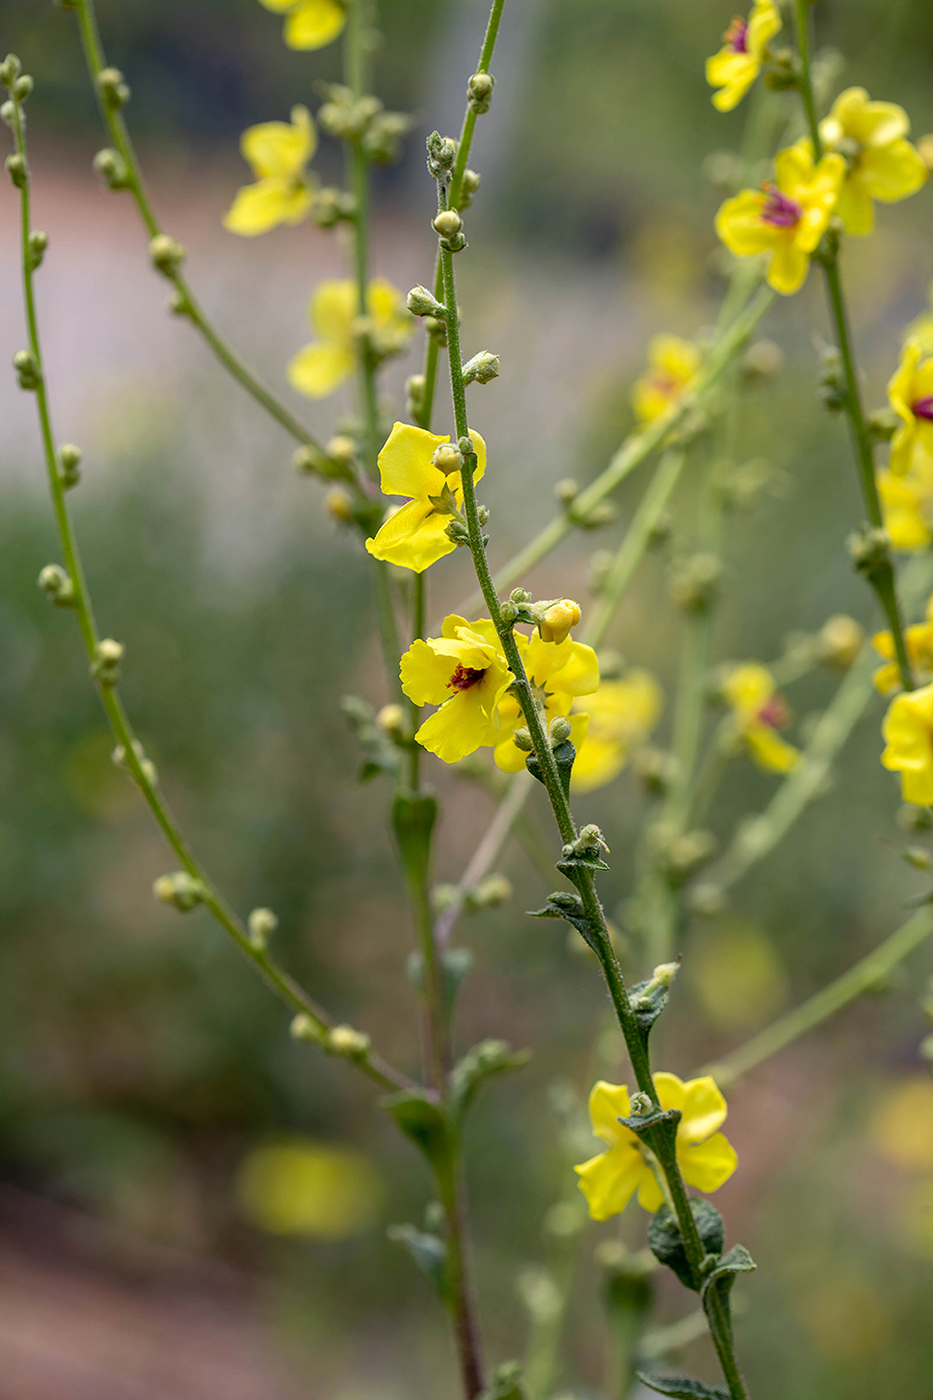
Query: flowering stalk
point(104, 656)
point(875, 560)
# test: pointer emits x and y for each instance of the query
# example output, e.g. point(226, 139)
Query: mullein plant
point(527, 681)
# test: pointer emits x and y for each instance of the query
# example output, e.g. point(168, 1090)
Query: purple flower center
point(464, 677)
point(736, 36)
point(923, 408)
point(779, 209)
point(773, 713)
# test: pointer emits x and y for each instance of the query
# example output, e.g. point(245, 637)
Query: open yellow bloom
point(277, 153)
point(622, 714)
point(919, 642)
point(559, 672)
point(737, 64)
point(672, 363)
point(908, 734)
point(309, 24)
point(333, 312)
point(706, 1157)
point(882, 164)
point(910, 394)
point(464, 673)
point(786, 219)
point(907, 502)
point(415, 535)
point(759, 712)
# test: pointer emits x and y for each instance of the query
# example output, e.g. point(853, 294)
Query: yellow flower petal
point(277, 148)
point(733, 73)
point(405, 465)
point(314, 23)
point(740, 226)
point(607, 1104)
point(704, 1110)
point(263, 206)
point(333, 308)
point(413, 537)
point(769, 750)
point(788, 269)
point(610, 1180)
point(319, 369)
point(672, 1091)
point(748, 687)
point(649, 1192)
point(908, 734)
point(892, 172)
point(854, 206)
point(384, 301)
point(709, 1164)
point(426, 672)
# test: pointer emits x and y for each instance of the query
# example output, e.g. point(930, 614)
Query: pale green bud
point(27, 370)
point(108, 655)
point(112, 88)
point(479, 92)
point(559, 731)
point(112, 168)
point(447, 223)
point(304, 1027)
point(183, 891)
point(166, 254)
point(447, 458)
point(262, 924)
point(69, 461)
point(55, 582)
point(16, 169)
point(348, 1043)
point(421, 302)
point(522, 740)
point(482, 368)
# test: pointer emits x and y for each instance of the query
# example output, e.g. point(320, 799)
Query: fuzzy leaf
point(423, 1121)
point(429, 1253)
point(564, 755)
point(569, 907)
point(667, 1244)
point(648, 1001)
point(682, 1387)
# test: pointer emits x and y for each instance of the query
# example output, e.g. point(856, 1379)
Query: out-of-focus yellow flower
point(559, 620)
point(786, 219)
point(622, 713)
point(705, 1156)
point(908, 734)
point(737, 64)
point(415, 535)
point(881, 163)
point(738, 976)
point(309, 1188)
point(919, 642)
point(465, 673)
point(333, 312)
point(672, 363)
point(907, 502)
point(759, 712)
point(277, 153)
point(910, 394)
point(901, 1125)
point(309, 24)
point(559, 672)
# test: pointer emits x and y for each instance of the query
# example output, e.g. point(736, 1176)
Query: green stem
point(286, 988)
point(119, 135)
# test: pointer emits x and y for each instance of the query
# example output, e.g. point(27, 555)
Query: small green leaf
point(648, 1001)
point(429, 1253)
point(682, 1387)
point(564, 755)
point(484, 1060)
point(667, 1244)
point(569, 907)
point(720, 1279)
point(423, 1121)
point(413, 818)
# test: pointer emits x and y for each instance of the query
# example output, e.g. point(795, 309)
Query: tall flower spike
point(786, 219)
point(881, 163)
point(672, 363)
point(622, 713)
point(466, 675)
point(910, 394)
point(737, 64)
point(324, 365)
point(705, 1156)
point(277, 153)
point(309, 24)
point(415, 535)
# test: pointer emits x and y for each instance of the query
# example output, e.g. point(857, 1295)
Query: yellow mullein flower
point(919, 642)
point(559, 672)
point(672, 363)
point(277, 153)
point(415, 535)
point(737, 64)
point(622, 713)
point(309, 24)
point(786, 219)
point(759, 712)
point(907, 503)
point(910, 394)
point(882, 164)
point(464, 673)
point(333, 312)
point(908, 734)
point(559, 620)
point(705, 1156)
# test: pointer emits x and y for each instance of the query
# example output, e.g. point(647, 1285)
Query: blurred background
point(191, 1204)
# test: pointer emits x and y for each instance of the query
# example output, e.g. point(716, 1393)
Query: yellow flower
point(277, 153)
point(309, 24)
point(302, 1187)
point(786, 219)
point(919, 641)
point(464, 673)
point(908, 734)
point(902, 1123)
point(415, 535)
point(910, 394)
point(559, 620)
point(622, 713)
point(672, 363)
point(736, 66)
point(907, 502)
point(705, 1156)
point(559, 672)
point(333, 312)
point(881, 163)
point(759, 712)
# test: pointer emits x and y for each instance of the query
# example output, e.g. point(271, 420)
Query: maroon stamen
point(774, 713)
point(464, 677)
point(736, 36)
point(779, 209)
point(923, 408)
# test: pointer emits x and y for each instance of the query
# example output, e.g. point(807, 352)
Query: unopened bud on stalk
point(348, 1043)
point(831, 381)
point(457, 532)
point(421, 302)
point(16, 169)
point(166, 254)
point(447, 458)
point(8, 113)
point(69, 461)
point(55, 582)
point(181, 890)
point(341, 448)
point(559, 731)
point(566, 490)
point(339, 506)
point(522, 740)
point(490, 893)
point(112, 88)
point(468, 187)
point(641, 1104)
point(415, 386)
point(108, 655)
point(481, 369)
point(38, 242)
point(868, 550)
point(882, 424)
point(665, 973)
point(112, 168)
point(694, 585)
point(391, 720)
point(442, 152)
point(304, 1027)
point(23, 87)
point(479, 92)
point(10, 70)
point(603, 513)
point(436, 328)
point(558, 620)
point(27, 370)
point(147, 767)
point(840, 640)
point(447, 223)
point(262, 924)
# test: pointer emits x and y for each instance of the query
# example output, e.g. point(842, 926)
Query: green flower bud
point(522, 740)
point(468, 187)
point(8, 114)
point(415, 386)
point(10, 70)
point(16, 169)
point(447, 223)
point(149, 770)
point(479, 92)
point(112, 88)
point(447, 458)
point(23, 87)
point(38, 242)
point(490, 893)
point(27, 369)
point(165, 254)
point(483, 368)
point(458, 533)
point(665, 973)
point(262, 924)
point(442, 152)
point(181, 890)
point(108, 656)
point(304, 1027)
point(421, 302)
point(436, 329)
point(69, 460)
point(112, 168)
point(55, 582)
point(348, 1043)
point(559, 730)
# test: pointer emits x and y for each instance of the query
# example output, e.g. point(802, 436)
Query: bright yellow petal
point(740, 226)
point(333, 308)
point(319, 369)
point(649, 1192)
point(405, 465)
point(458, 728)
point(677, 357)
point(763, 23)
point(892, 172)
point(733, 73)
point(793, 167)
point(748, 687)
point(271, 201)
point(769, 750)
point(426, 673)
point(788, 268)
point(280, 148)
point(887, 679)
point(710, 1164)
point(314, 23)
point(610, 1180)
point(413, 537)
point(384, 301)
point(704, 1110)
point(854, 206)
point(671, 1090)
point(607, 1104)
point(598, 761)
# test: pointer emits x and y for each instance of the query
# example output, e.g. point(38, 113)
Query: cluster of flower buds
point(112, 88)
point(26, 366)
point(112, 168)
point(415, 386)
point(442, 153)
point(868, 550)
point(422, 302)
point(363, 120)
point(479, 92)
point(166, 254)
point(332, 206)
point(261, 925)
point(183, 891)
point(334, 463)
point(482, 368)
point(69, 463)
point(469, 184)
point(342, 1041)
point(831, 380)
point(448, 226)
point(148, 769)
point(108, 656)
point(57, 585)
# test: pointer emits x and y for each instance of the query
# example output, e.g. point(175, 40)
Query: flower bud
point(391, 720)
point(557, 621)
point(55, 582)
point(23, 87)
point(457, 533)
point(831, 381)
point(839, 640)
point(339, 506)
point(8, 114)
point(382, 140)
point(479, 92)
point(868, 550)
point(436, 329)
point(483, 368)
point(665, 973)
point(262, 924)
point(491, 892)
point(415, 386)
point(27, 370)
point(304, 1027)
point(522, 740)
point(694, 585)
point(166, 254)
point(108, 655)
point(69, 460)
point(183, 891)
point(566, 489)
point(442, 152)
point(559, 731)
point(341, 448)
point(112, 168)
point(348, 1043)
point(149, 771)
point(38, 242)
point(448, 458)
point(421, 302)
point(468, 187)
point(10, 70)
point(603, 513)
point(16, 169)
point(447, 223)
point(112, 88)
